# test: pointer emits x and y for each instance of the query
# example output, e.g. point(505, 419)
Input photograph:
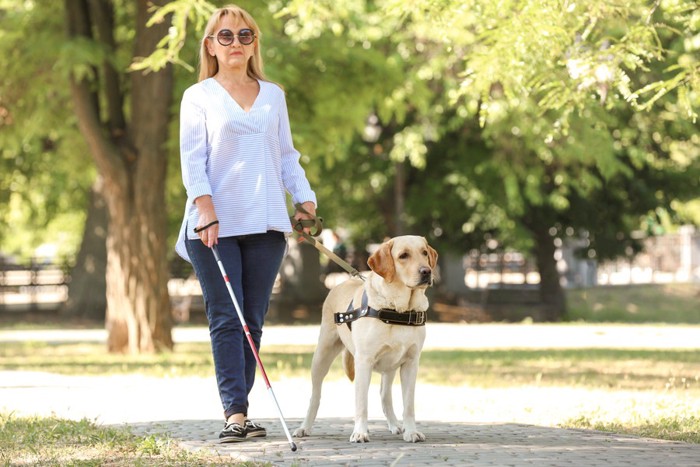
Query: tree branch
point(86, 102)
point(78, 25)
point(151, 92)
point(102, 14)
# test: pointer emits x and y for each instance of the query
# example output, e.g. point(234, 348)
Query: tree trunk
point(452, 274)
point(87, 295)
point(131, 158)
point(138, 306)
point(551, 292)
point(301, 291)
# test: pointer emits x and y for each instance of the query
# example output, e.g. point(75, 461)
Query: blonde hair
point(208, 65)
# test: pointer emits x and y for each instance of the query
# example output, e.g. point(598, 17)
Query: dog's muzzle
point(426, 276)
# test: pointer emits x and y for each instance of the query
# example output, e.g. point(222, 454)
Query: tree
point(540, 77)
point(87, 291)
point(124, 119)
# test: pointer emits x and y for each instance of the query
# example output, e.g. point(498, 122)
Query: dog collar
point(407, 318)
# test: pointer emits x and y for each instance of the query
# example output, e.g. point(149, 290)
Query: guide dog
point(379, 325)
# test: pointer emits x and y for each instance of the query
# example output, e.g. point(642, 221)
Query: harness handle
point(300, 224)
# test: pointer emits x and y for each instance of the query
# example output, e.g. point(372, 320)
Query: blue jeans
point(251, 263)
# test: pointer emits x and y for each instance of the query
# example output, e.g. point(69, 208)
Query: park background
point(549, 150)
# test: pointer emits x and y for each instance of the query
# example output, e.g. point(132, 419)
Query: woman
point(238, 163)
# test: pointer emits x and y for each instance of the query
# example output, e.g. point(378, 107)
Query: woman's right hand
point(207, 215)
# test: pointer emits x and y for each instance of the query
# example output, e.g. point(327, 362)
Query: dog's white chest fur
point(383, 347)
point(393, 353)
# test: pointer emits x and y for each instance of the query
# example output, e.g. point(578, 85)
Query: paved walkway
point(447, 444)
point(463, 426)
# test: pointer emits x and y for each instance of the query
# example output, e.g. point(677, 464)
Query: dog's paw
point(302, 432)
point(413, 436)
point(395, 428)
point(359, 437)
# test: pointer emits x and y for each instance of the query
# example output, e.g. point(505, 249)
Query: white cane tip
point(294, 447)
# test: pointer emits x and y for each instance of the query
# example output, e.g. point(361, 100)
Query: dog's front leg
point(409, 373)
point(363, 376)
point(388, 404)
point(329, 346)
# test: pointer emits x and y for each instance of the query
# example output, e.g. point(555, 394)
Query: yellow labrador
point(388, 335)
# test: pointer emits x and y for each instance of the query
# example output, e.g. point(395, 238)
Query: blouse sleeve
point(293, 174)
point(193, 148)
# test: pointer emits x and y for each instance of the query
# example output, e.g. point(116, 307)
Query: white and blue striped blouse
point(245, 160)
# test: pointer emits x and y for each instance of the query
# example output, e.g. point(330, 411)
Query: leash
point(317, 223)
point(411, 318)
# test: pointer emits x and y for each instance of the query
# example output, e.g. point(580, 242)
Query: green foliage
point(550, 84)
point(182, 12)
point(559, 53)
point(488, 110)
point(40, 147)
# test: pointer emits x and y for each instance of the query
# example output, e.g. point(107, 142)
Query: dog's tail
point(349, 364)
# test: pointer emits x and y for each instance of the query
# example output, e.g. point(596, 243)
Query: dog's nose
point(425, 273)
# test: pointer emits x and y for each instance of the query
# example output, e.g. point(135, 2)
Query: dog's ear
point(382, 263)
point(432, 255)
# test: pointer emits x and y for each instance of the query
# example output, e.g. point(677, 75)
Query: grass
point(647, 303)
point(52, 441)
point(681, 427)
point(589, 368)
point(93, 359)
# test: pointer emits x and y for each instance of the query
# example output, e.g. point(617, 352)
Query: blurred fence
point(36, 285)
point(666, 258)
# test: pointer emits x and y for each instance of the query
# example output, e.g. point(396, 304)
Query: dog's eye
point(425, 252)
point(403, 255)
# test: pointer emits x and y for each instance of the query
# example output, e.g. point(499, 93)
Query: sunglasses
point(226, 37)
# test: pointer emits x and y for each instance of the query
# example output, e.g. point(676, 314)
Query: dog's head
point(408, 258)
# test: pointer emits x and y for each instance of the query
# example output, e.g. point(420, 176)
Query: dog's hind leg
point(388, 404)
point(329, 346)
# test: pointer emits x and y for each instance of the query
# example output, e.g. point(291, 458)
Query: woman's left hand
point(310, 208)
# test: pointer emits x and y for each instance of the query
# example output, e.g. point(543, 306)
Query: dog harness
point(407, 318)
